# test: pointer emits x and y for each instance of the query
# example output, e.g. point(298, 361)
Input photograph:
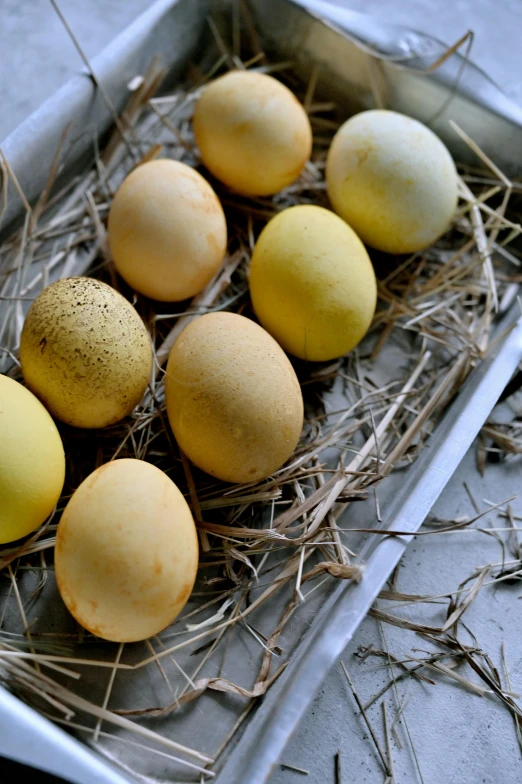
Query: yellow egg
point(126, 551)
point(85, 352)
point(252, 132)
point(167, 231)
point(312, 283)
point(233, 399)
point(32, 463)
point(392, 180)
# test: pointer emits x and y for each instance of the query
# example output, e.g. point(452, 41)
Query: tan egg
point(167, 231)
point(126, 551)
point(85, 352)
point(393, 180)
point(252, 132)
point(233, 399)
point(32, 463)
point(312, 283)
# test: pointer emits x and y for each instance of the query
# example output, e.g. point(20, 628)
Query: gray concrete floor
point(446, 735)
point(36, 54)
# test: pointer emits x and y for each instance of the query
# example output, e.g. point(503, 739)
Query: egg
point(233, 400)
point(312, 283)
point(252, 132)
point(32, 462)
point(167, 231)
point(393, 180)
point(126, 551)
point(85, 352)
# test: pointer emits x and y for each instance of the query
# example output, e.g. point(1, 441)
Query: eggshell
point(252, 132)
point(32, 462)
point(312, 283)
point(393, 180)
point(167, 231)
point(126, 551)
point(85, 352)
point(233, 399)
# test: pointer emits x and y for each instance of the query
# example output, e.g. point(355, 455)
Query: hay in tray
point(271, 551)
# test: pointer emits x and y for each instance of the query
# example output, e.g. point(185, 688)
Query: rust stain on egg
point(127, 551)
point(185, 593)
point(158, 225)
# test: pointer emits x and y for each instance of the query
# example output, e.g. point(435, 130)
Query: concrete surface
point(36, 54)
point(457, 737)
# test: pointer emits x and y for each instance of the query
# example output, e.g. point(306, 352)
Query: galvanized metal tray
point(174, 30)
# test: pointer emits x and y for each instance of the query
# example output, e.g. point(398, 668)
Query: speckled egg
point(126, 551)
point(233, 399)
point(32, 463)
point(167, 231)
point(85, 352)
point(312, 283)
point(252, 132)
point(393, 180)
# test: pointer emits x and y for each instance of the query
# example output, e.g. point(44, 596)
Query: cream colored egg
point(32, 462)
point(312, 283)
point(126, 551)
point(85, 352)
point(233, 399)
point(393, 180)
point(252, 132)
point(167, 231)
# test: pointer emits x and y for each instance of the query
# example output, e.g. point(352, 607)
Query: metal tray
point(174, 30)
